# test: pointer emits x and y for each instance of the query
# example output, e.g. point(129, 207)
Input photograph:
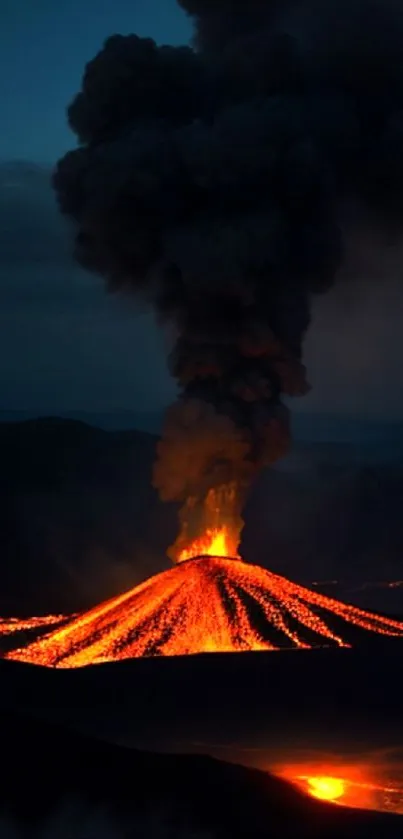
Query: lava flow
point(205, 604)
point(363, 786)
point(324, 787)
point(10, 626)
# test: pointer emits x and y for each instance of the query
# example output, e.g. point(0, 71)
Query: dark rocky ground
point(58, 783)
point(246, 706)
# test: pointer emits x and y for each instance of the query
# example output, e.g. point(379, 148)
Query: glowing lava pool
point(360, 786)
point(204, 605)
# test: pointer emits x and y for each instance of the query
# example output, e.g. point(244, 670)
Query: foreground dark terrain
point(58, 783)
point(253, 707)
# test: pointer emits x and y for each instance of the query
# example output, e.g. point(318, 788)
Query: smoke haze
point(228, 184)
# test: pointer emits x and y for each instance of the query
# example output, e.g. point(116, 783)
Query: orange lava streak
point(207, 604)
point(9, 626)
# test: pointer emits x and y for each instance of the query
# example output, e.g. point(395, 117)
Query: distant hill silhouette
point(80, 520)
point(377, 439)
point(69, 785)
point(255, 706)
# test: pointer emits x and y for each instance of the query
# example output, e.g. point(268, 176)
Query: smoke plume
point(220, 183)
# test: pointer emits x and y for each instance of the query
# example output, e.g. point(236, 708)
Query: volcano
point(205, 604)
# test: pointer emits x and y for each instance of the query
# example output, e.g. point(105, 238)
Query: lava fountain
point(218, 520)
point(208, 603)
point(216, 541)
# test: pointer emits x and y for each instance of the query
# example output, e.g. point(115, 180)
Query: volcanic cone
point(206, 604)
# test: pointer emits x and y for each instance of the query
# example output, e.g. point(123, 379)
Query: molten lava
point(327, 789)
point(219, 521)
point(9, 626)
point(207, 604)
point(217, 541)
point(364, 785)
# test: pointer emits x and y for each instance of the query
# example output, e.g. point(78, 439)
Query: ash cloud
point(220, 183)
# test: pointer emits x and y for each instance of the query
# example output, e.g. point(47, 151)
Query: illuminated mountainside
point(206, 604)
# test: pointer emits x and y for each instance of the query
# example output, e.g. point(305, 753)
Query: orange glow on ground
point(360, 786)
point(327, 789)
point(207, 604)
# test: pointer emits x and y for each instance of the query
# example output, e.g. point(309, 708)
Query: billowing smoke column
point(219, 183)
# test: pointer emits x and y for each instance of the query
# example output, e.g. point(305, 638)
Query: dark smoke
point(220, 183)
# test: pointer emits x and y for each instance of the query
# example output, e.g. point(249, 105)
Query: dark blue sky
point(64, 345)
point(44, 45)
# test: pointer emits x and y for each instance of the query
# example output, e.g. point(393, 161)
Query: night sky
point(63, 344)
